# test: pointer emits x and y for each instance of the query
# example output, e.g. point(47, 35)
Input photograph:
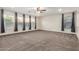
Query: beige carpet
point(39, 41)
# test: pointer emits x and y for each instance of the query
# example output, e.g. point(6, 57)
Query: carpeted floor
point(39, 41)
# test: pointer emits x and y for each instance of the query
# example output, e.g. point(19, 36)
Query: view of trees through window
point(67, 22)
point(9, 22)
point(27, 22)
point(20, 22)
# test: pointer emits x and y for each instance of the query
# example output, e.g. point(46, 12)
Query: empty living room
point(39, 29)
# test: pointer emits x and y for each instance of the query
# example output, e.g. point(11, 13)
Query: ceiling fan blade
point(42, 10)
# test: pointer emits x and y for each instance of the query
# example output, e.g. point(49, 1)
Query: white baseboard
point(2, 34)
point(59, 31)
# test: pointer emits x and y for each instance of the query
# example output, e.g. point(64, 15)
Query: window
point(27, 22)
point(9, 21)
point(32, 23)
point(20, 22)
point(67, 22)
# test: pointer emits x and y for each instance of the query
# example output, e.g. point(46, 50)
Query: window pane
point(67, 22)
point(32, 23)
point(9, 21)
point(20, 22)
point(27, 22)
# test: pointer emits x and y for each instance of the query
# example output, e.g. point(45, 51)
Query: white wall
point(77, 25)
point(51, 23)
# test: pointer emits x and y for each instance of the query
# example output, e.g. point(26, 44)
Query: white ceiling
point(49, 10)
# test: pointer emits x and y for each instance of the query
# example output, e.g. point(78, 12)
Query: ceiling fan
point(40, 9)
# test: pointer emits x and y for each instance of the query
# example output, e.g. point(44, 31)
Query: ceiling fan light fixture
point(39, 8)
point(60, 10)
point(35, 8)
point(42, 8)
